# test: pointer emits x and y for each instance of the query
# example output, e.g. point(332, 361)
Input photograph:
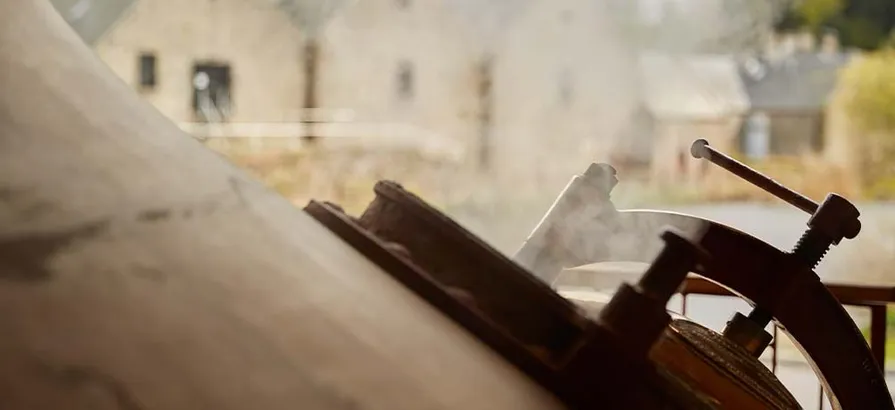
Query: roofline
point(125, 13)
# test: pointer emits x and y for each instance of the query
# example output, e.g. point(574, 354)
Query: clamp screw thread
point(812, 247)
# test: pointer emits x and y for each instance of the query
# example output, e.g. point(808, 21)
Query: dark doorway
point(211, 92)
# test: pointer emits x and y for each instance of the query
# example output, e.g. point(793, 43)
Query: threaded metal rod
point(812, 247)
point(701, 149)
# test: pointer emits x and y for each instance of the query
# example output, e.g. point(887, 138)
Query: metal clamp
point(833, 220)
point(647, 300)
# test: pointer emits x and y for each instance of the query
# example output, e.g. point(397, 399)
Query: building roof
point(691, 86)
point(91, 19)
point(800, 81)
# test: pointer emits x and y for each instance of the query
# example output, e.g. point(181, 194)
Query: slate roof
point(679, 87)
point(691, 86)
point(91, 19)
point(801, 81)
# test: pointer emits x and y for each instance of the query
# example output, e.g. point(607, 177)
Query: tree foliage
point(869, 102)
point(871, 98)
point(864, 24)
point(814, 13)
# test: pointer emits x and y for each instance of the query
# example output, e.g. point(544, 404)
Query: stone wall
point(257, 40)
point(562, 78)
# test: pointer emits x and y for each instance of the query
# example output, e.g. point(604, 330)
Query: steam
point(488, 20)
point(545, 143)
point(716, 26)
point(312, 15)
point(567, 91)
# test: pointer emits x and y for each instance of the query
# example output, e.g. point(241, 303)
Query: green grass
point(890, 333)
point(882, 189)
point(890, 342)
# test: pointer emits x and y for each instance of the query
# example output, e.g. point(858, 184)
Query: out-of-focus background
point(486, 108)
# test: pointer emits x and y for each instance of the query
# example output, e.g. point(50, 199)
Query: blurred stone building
point(207, 61)
point(686, 98)
point(565, 85)
point(546, 88)
point(790, 87)
point(796, 110)
point(545, 97)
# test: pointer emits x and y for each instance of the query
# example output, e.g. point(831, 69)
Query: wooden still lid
point(702, 361)
point(705, 360)
point(140, 270)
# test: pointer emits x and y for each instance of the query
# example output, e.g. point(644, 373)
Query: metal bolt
point(701, 149)
point(836, 218)
point(677, 259)
point(648, 299)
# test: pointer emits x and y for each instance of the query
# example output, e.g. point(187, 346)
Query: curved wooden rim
point(801, 304)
